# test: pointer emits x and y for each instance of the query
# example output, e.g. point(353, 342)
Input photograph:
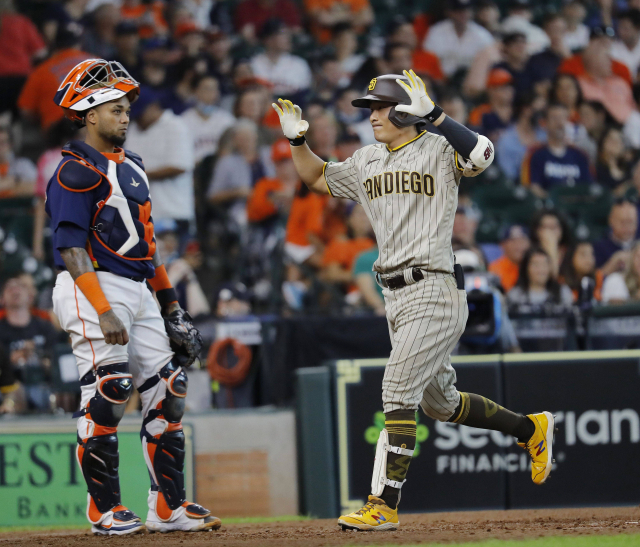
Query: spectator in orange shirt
point(515, 243)
point(147, 15)
point(36, 98)
point(20, 44)
point(326, 14)
point(339, 255)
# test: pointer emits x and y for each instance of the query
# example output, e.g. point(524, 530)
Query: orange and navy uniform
point(101, 202)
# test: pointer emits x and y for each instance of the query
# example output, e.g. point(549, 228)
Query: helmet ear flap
point(402, 119)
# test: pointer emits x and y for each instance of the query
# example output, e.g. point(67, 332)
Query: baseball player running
point(408, 186)
point(104, 246)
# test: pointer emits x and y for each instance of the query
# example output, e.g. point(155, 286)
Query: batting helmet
point(386, 89)
point(91, 83)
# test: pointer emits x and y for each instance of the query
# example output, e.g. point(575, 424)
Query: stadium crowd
point(553, 83)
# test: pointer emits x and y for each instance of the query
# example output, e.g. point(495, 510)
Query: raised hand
point(421, 103)
point(293, 126)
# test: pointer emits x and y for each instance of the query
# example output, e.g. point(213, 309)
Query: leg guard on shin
point(379, 479)
point(97, 450)
point(163, 443)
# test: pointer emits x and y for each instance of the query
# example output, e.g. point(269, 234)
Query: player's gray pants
point(425, 320)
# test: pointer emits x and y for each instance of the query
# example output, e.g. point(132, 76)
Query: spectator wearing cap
point(457, 39)
point(35, 101)
point(542, 67)
point(518, 138)
point(493, 117)
point(626, 48)
point(515, 57)
point(17, 175)
point(20, 45)
point(147, 15)
point(162, 140)
point(556, 163)
point(425, 63)
point(190, 38)
point(251, 16)
point(577, 35)
point(324, 15)
point(99, 36)
point(518, 21)
point(127, 48)
point(515, 243)
point(206, 122)
point(612, 251)
point(288, 74)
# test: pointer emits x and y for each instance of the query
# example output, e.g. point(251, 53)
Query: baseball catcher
point(104, 247)
point(408, 186)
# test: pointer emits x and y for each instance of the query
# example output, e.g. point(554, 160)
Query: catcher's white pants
point(426, 320)
point(148, 349)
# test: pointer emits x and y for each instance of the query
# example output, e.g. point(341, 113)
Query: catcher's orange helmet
point(91, 83)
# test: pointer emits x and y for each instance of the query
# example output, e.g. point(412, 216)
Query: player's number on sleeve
point(429, 189)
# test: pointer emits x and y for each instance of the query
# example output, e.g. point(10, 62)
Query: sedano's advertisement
point(458, 467)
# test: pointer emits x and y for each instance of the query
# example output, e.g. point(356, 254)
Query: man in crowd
point(612, 251)
point(627, 48)
point(457, 39)
point(555, 163)
point(542, 67)
point(163, 140)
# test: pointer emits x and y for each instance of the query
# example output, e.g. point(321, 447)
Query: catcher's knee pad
point(97, 439)
point(163, 438)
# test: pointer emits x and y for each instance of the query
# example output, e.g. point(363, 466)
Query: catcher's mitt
point(185, 339)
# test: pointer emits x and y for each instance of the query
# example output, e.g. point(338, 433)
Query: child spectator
point(536, 284)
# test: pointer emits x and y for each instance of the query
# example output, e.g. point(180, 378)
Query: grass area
point(622, 540)
point(226, 520)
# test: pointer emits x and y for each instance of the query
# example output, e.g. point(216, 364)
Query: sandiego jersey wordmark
point(400, 182)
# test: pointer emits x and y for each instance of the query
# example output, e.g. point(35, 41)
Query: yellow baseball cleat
point(375, 516)
point(540, 446)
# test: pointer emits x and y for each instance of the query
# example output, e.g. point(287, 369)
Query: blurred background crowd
point(553, 224)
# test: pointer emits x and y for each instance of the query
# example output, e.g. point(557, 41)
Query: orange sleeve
point(259, 206)
point(90, 286)
point(572, 65)
point(620, 69)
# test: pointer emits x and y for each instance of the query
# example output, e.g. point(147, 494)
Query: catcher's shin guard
point(163, 446)
point(97, 450)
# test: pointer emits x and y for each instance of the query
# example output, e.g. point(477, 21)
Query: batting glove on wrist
point(421, 104)
point(293, 126)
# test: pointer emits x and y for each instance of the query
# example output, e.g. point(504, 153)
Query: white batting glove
point(293, 126)
point(421, 103)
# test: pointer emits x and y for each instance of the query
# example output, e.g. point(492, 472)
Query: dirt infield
point(416, 528)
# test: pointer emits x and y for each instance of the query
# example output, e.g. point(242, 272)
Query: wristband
point(160, 283)
point(90, 287)
point(434, 114)
point(298, 141)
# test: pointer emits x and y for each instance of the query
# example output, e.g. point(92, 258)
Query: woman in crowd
point(566, 90)
point(550, 232)
point(611, 169)
point(580, 263)
point(623, 287)
point(536, 284)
